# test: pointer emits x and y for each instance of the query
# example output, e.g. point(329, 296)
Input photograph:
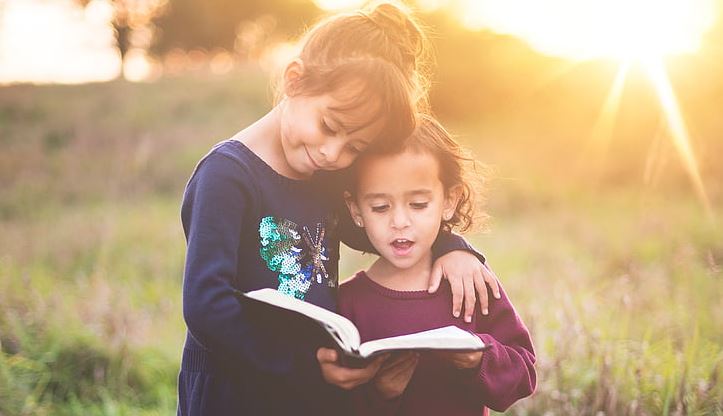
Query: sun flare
point(639, 32)
point(585, 29)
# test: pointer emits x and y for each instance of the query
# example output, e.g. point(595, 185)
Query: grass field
point(618, 278)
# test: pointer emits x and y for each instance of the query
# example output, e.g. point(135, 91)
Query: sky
point(45, 41)
point(55, 41)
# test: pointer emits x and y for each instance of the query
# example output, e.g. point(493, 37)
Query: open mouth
point(402, 246)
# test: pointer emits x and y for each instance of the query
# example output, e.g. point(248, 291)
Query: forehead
point(398, 173)
point(356, 108)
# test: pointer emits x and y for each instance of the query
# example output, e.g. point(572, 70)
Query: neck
point(263, 137)
point(415, 277)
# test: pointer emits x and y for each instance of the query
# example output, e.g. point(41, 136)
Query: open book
point(346, 335)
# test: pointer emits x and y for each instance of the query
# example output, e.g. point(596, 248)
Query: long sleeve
point(215, 203)
point(507, 372)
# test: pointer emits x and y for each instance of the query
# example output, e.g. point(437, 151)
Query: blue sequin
point(296, 253)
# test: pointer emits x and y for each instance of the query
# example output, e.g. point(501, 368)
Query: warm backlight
point(583, 29)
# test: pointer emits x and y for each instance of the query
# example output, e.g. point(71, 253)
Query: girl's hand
point(393, 378)
point(346, 378)
point(466, 275)
point(462, 360)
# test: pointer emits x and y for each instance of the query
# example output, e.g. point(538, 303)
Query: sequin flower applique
point(296, 253)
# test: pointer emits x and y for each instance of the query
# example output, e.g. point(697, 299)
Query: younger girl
point(258, 212)
point(402, 200)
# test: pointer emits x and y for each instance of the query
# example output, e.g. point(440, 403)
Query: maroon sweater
point(506, 373)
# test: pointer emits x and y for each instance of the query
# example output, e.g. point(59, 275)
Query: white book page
point(449, 337)
point(338, 326)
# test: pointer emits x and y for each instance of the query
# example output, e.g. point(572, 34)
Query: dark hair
point(385, 50)
point(456, 168)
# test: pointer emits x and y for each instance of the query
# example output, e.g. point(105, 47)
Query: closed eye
point(419, 205)
point(379, 208)
point(326, 128)
point(354, 149)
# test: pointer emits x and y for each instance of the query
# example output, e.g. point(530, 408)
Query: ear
point(292, 74)
point(353, 209)
point(451, 200)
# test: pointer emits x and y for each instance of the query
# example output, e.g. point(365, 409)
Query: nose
point(331, 150)
point(400, 218)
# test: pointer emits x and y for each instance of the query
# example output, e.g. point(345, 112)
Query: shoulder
point(349, 294)
point(222, 180)
point(228, 166)
point(351, 288)
point(228, 155)
point(351, 285)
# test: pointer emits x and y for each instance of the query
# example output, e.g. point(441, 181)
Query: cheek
point(345, 160)
point(431, 221)
point(375, 227)
point(348, 160)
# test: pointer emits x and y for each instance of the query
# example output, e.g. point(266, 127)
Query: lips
point(401, 246)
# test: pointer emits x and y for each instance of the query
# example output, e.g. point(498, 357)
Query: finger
point(352, 377)
point(469, 297)
point(457, 293)
point(383, 357)
point(396, 361)
point(326, 355)
point(402, 370)
point(435, 278)
point(491, 278)
point(408, 366)
point(378, 362)
point(482, 291)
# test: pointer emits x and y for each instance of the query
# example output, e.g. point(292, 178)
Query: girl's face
point(401, 203)
point(315, 136)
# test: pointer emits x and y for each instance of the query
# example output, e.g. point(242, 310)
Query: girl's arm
point(505, 372)
point(454, 258)
point(215, 204)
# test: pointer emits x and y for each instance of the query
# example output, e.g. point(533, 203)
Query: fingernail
point(468, 319)
point(497, 295)
point(456, 314)
point(485, 311)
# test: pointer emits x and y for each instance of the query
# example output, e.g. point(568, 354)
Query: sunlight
point(586, 29)
point(55, 42)
point(333, 5)
point(677, 129)
point(602, 131)
point(631, 31)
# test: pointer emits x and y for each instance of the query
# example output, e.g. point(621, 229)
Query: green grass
point(619, 282)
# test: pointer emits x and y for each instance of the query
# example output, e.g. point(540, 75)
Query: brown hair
point(456, 166)
point(384, 49)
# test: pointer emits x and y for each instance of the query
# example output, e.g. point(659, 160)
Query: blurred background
point(600, 122)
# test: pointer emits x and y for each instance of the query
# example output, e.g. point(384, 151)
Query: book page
point(447, 338)
point(340, 328)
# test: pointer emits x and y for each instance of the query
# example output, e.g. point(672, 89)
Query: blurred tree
point(129, 16)
point(208, 24)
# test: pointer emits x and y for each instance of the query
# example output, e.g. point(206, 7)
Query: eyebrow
point(410, 193)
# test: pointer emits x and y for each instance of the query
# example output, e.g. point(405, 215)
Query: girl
point(402, 200)
point(258, 212)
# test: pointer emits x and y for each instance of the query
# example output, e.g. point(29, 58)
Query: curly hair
point(456, 166)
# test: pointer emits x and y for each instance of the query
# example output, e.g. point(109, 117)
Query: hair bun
point(402, 31)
